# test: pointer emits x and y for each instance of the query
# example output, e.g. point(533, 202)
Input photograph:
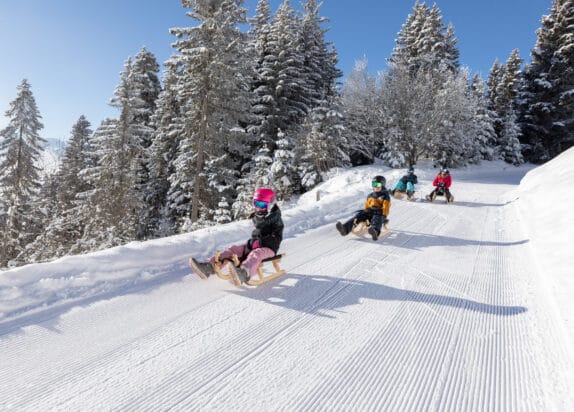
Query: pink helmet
point(265, 195)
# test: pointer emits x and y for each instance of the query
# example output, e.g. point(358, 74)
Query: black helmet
point(380, 179)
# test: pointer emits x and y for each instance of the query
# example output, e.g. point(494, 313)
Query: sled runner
point(360, 228)
point(403, 195)
point(227, 270)
point(440, 191)
point(432, 198)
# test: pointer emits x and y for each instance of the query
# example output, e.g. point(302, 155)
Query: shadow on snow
point(419, 240)
point(319, 295)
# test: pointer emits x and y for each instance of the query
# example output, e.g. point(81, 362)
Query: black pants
point(375, 218)
point(441, 191)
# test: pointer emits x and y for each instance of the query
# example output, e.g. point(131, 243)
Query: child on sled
point(442, 183)
point(376, 210)
point(264, 243)
point(406, 184)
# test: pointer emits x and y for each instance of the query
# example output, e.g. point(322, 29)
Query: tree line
point(264, 106)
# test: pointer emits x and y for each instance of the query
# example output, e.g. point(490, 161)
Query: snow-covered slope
point(454, 310)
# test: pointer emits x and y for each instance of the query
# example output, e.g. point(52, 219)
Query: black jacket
point(268, 229)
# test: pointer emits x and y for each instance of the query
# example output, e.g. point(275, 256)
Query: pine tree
point(547, 97)
point(159, 217)
point(77, 157)
point(222, 214)
point(135, 98)
point(426, 106)
point(492, 82)
point(425, 43)
point(323, 145)
point(20, 149)
point(117, 197)
point(483, 121)
point(360, 106)
point(283, 172)
point(293, 103)
point(213, 77)
point(504, 96)
point(100, 210)
point(60, 194)
point(510, 149)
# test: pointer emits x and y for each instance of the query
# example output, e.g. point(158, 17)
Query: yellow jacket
point(380, 200)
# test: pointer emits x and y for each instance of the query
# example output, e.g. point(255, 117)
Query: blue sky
point(72, 51)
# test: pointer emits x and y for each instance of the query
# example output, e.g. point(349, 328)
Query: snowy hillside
point(461, 307)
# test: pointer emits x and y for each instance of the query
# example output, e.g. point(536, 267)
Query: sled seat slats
point(279, 256)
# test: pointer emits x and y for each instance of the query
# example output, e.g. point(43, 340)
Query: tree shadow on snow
point(418, 240)
point(321, 295)
point(442, 202)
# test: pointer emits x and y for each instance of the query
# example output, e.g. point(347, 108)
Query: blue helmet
point(411, 170)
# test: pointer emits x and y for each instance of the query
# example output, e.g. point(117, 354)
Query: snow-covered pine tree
point(494, 75)
point(20, 149)
point(243, 204)
point(454, 144)
point(510, 149)
point(78, 156)
point(222, 213)
point(262, 125)
point(144, 88)
point(120, 199)
point(63, 229)
point(261, 173)
point(423, 74)
point(505, 95)
point(407, 103)
point(361, 113)
point(547, 96)
point(159, 217)
point(322, 144)
point(213, 70)
point(320, 58)
point(283, 171)
point(289, 73)
point(483, 123)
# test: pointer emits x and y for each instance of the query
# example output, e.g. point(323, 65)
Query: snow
point(461, 307)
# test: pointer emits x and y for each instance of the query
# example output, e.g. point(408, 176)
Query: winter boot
point(374, 233)
point(242, 274)
point(342, 229)
point(201, 269)
point(410, 195)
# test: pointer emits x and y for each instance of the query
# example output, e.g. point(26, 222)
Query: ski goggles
point(260, 204)
point(376, 184)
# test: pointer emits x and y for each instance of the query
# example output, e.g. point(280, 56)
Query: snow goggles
point(260, 204)
point(376, 184)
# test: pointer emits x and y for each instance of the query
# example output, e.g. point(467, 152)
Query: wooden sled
point(227, 270)
point(432, 199)
point(403, 195)
point(360, 228)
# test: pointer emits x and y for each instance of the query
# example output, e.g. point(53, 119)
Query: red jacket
point(447, 180)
